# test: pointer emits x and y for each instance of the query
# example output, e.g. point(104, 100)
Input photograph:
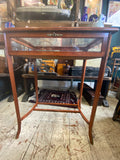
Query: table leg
point(82, 81)
point(95, 103)
point(12, 78)
point(106, 42)
point(97, 93)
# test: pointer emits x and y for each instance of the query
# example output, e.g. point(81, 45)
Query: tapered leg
point(106, 42)
point(96, 99)
point(12, 78)
point(82, 81)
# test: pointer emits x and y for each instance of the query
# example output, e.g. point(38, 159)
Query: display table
point(59, 43)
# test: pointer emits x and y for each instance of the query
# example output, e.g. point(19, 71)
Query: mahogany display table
point(59, 43)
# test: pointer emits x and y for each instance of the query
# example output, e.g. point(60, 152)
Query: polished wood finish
point(82, 81)
point(61, 32)
point(12, 78)
point(64, 29)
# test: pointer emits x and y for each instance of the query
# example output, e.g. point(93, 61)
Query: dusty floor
point(59, 136)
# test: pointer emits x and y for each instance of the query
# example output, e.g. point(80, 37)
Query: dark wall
point(116, 37)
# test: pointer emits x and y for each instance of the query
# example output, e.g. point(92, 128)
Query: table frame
point(69, 32)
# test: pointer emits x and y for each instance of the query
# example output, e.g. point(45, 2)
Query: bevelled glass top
point(57, 44)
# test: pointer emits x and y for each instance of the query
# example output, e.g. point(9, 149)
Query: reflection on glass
point(57, 44)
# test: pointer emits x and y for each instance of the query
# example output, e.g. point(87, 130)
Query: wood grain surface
point(58, 136)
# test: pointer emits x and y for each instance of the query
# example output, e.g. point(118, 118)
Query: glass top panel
point(57, 44)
